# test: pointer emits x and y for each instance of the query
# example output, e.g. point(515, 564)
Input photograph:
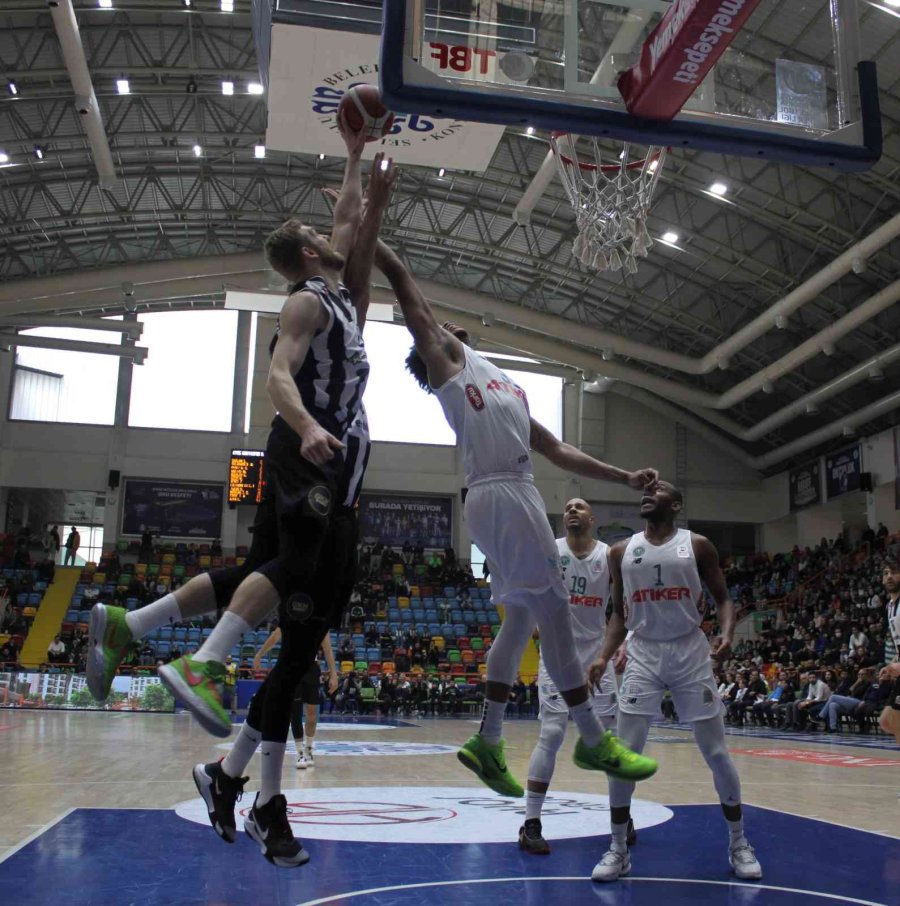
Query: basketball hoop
point(611, 201)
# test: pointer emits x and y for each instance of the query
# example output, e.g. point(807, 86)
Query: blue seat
point(193, 636)
point(165, 633)
point(40, 586)
point(459, 629)
point(494, 619)
point(163, 649)
point(84, 616)
point(179, 634)
point(22, 598)
point(207, 632)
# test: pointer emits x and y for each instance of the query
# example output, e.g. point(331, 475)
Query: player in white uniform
point(657, 595)
point(586, 576)
point(508, 521)
point(890, 716)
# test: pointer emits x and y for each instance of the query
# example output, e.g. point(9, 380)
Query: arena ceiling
point(735, 258)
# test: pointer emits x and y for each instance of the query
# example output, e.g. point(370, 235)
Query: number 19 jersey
point(661, 587)
point(587, 583)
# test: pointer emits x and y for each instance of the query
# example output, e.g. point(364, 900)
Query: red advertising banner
point(679, 54)
point(835, 759)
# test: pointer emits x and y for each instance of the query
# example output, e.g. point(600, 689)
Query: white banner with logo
point(311, 69)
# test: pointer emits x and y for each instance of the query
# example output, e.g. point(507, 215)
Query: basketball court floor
point(101, 809)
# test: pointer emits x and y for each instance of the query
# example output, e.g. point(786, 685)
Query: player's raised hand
point(355, 141)
point(643, 479)
point(381, 181)
point(596, 671)
point(319, 446)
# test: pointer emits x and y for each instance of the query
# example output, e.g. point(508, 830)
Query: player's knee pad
point(710, 737)
point(225, 582)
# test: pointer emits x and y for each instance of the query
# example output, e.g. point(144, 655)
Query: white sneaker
point(612, 866)
point(744, 863)
point(302, 763)
point(310, 758)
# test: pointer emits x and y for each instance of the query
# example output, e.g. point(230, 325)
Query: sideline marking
point(372, 890)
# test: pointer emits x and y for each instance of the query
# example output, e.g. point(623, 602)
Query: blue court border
point(152, 857)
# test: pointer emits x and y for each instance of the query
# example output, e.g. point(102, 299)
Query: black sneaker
point(631, 833)
point(268, 825)
point(220, 793)
point(531, 839)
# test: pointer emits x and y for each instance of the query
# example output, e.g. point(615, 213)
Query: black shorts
point(307, 690)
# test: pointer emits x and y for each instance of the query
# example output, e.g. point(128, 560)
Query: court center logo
point(408, 129)
point(436, 814)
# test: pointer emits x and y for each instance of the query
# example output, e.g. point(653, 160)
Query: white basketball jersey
point(489, 415)
point(587, 582)
point(661, 587)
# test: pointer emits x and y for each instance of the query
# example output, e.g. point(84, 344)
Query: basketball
point(363, 111)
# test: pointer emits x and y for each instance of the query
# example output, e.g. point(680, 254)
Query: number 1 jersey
point(661, 587)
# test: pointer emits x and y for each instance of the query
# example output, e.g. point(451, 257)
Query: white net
point(611, 201)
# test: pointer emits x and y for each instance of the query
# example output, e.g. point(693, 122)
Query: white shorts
point(603, 701)
point(683, 666)
point(507, 519)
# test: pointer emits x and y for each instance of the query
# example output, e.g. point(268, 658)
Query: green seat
point(494, 631)
point(361, 666)
point(178, 571)
point(477, 644)
point(453, 656)
point(153, 569)
point(367, 694)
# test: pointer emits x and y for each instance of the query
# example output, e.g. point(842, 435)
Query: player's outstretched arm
point(358, 269)
point(615, 627)
point(300, 317)
point(573, 460)
point(711, 575)
point(348, 208)
point(440, 350)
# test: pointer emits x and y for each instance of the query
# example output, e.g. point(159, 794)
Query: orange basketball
point(363, 111)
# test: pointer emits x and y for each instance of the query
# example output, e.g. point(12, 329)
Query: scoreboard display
point(246, 477)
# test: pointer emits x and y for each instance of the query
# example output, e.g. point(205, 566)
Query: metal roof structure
point(736, 256)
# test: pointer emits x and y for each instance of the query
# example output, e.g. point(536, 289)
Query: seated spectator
point(764, 712)
point(9, 654)
point(875, 698)
point(46, 570)
point(798, 712)
point(845, 702)
point(736, 708)
point(56, 652)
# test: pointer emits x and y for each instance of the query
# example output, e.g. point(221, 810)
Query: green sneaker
point(198, 686)
point(109, 639)
point(611, 756)
point(489, 763)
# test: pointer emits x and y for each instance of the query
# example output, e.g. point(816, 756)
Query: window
point(400, 411)
point(90, 547)
point(187, 380)
point(477, 561)
point(56, 385)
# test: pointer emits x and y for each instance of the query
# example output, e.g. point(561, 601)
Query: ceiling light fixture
point(11, 88)
point(718, 188)
point(227, 6)
point(228, 88)
point(198, 151)
point(654, 164)
point(259, 151)
point(39, 152)
point(254, 88)
point(321, 157)
point(122, 86)
point(104, 4)
point(529, 130)
point(4, 157)
point(441, 173)
point(670, 237)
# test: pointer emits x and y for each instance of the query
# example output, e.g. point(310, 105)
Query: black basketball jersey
point(333, 376)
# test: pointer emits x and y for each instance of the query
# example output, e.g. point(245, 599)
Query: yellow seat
point(403, 603)
point(204, 561)
point(346, 666)
point(169, 559)
point(438, 642)
point(414, 591)
point(100, 578)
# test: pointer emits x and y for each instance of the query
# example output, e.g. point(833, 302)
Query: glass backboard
point(790, 86)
